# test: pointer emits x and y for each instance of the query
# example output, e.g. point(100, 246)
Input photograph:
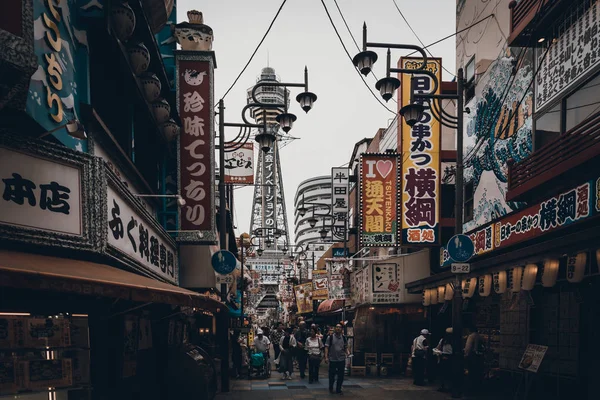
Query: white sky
point(345, 111)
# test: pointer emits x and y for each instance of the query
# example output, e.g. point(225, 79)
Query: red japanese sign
point(196, 146)
point(379, 200)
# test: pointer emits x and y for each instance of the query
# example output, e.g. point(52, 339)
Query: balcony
point(530, 20)
point(576, 148)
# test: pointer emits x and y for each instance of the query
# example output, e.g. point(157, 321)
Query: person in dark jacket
point(301, 352)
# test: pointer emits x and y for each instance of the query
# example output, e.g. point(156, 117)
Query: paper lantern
point(500, 282)
point(434, 296)
point(449, 292)
point(515, 277)
point(426, 297)
point(529, 275)
point(441, 293)
point(468, 287)
point(550, 272)
point(598, 258)
point(485, 285)
point(576, 267)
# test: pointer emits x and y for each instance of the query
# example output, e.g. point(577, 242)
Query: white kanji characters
point(193, 102)
point(193, 126)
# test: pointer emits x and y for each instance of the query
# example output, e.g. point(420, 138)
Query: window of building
point(468, 202)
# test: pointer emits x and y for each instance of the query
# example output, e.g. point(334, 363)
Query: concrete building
point(313, 190)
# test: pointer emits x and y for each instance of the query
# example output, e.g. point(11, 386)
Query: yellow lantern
point(426, 297)
point(434, 295)
point(468, 287)
point(485, 285)
point(576, 267)
point(515, 279)
point(441, 292)
point(529, 276)
point(550, 272)
point(500, 282)
point(449, 292)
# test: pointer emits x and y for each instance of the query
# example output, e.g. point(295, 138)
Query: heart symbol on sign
point(384, 167)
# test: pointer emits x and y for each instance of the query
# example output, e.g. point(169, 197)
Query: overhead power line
point(256, 49)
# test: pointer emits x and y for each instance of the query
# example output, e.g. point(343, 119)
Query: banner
point(340, 190)
point(385, 284)
point(378, 203)
point(320, 281)
point(196, 147)
point(421, 162)
point(339, 280)
point(304, 298)
point(239, 165)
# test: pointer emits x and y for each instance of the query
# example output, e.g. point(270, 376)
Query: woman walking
point(314, 345)
point(286, 365)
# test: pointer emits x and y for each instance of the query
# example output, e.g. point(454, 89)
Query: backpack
point(286, 342)
point(328, 341)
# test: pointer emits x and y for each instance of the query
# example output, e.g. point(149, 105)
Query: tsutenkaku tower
point(268, 206)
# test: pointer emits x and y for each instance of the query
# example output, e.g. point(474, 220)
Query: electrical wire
point(417, 36)
point(350, 57)
point(256, 49)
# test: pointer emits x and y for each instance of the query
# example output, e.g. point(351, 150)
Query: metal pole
point(457, 326)
point(223, 240)
point(243, 280)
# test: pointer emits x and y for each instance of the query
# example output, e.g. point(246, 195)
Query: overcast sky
point(345, 111)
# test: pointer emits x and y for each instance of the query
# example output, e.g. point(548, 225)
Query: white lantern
point(441, 293)
point(426, 297)
point(529, 276)
point(468, 287)
point(434, 296)
point(550, 272)
point(449, 292)
point(576, 267)
point(500, 282)
point(598, 257)
point(515, 279)
point(485, 285)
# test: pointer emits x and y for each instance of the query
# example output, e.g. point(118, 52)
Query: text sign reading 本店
point(239, 165)
point(378, 200)
point(39, 193)
point(196, 149)
point(421, 163)
point(572, 56)
point(340, 191)
point(132, 234)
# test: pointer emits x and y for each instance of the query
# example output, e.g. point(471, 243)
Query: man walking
point(419, 354)
point(336, 351)
point(302, 353)
point(276, 336)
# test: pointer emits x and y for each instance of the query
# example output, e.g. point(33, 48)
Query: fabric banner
point(304, 298)
point(320, 285)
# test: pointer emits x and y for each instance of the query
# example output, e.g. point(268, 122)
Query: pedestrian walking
point(419, 357)
point(276, 336)
point(474, 355)
point(262, 343)
point(286, 365)
point(336, 351)
point(444, 353)
point(301, 352)
point(314, 346)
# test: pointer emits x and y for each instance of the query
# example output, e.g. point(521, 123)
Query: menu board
point(532, 358)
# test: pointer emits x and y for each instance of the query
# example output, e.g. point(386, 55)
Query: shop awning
point(33, 271)
point(330, 306)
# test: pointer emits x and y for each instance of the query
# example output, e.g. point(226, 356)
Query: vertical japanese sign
point(239, 165)
point(340, 180)
point(304, 298)
point(421, 163)
point(269, 195)
point(320, 285)
point(379, 222)
point(196, 146)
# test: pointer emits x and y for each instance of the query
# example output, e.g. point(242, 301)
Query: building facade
point(313, 190)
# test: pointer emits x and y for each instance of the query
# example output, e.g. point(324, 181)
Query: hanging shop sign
point(339, 282)
point(340, 191)
point(421, 162)
point(239, 165)
point(385, 285)
point(572, 56)
point(196, 147)
point(320, 290)
point(135, 234)
point(378, 213)
point(304, 298)
point(557, 212)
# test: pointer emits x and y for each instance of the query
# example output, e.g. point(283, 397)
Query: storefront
point(89, 302)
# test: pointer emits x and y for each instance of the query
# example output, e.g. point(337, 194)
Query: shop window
point(468, 202)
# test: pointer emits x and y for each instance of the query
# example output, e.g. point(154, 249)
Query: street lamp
point(413, 113)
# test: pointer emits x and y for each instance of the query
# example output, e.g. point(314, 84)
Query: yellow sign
point(320, 281)
point(421, 163)
point(304, 298)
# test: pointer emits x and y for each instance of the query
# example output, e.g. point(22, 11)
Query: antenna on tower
point(268, 58)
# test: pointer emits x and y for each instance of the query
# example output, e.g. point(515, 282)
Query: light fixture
point(449, 293)
point(499, 281)
point(426, 297)
point(323, 232)
point(529, 276)
point(485, 285)
point(576, 267)
point(387, 86)
point(180, 200)
point(412, 113)
point(277, 234)
point(265, 141)
point(441, 292)
point(312, 221)
point(302, 210)
point(74, 128)
point(364, 61)
point(550, 272)
point(541, 40)
point(434, 296)
point(284, 249)
point(306, 100)
point(286, 121)
point(515, 278)
point(469, 286)
point(291, 257)
point(268, 242)
point(259, 251)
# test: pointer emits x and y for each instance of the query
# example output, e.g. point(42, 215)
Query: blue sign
point(223, 262)
point(338, 252)
point(460, 248)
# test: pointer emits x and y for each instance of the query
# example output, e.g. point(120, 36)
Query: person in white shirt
point(419, 353)
point(314, 345)
point(444, 352)
point(262, 343)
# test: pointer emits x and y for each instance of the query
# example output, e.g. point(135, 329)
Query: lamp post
point(412, 113)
